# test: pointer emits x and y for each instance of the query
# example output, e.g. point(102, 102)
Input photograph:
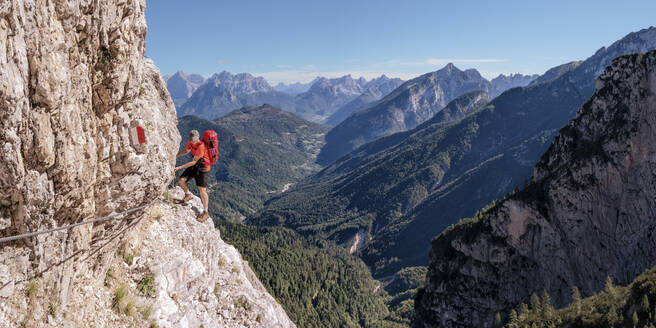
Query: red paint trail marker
point(138, 135)
point(141, 134)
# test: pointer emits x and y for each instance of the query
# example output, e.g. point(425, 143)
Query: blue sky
point(289, 40)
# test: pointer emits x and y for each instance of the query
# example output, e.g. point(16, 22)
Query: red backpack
point(211, 141)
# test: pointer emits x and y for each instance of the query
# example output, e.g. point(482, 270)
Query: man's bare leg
point(182, 182)
point(205, 199)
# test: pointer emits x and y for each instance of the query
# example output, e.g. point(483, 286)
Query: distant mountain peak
point(181, 86)
point(409, 105)
point(327, 95)
point(246, 80)
point(377, 80)
point(374, 90)
point(447, 70)
point(223, 74)
point(504, 82)
point(226, 92)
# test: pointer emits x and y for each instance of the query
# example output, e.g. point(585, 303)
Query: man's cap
point(194, 134)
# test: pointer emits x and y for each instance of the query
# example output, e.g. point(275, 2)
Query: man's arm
point(192, 163)
point(183, 152)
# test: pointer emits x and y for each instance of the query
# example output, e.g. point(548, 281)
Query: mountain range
point(225, 92)
point(323, 100)
point(404, 189)
point(585, 218)
point(374, 90)
point(326, 96)
point(385, 200)
point(409, 105)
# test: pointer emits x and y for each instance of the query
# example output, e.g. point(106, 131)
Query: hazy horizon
point(296, 41)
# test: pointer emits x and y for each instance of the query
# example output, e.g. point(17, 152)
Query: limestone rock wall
point(73, 81)
point(587, 214)
point(199, 279)
point(171, 271)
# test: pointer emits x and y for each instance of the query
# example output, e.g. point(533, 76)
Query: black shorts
point(197, 173)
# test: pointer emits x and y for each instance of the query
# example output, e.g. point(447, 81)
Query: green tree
point(513, 320)
point(611, 316)
point(609, 288)
point(547, 308)
point(318, 287)
point(644, 305)
point(524, 312)
point(536, 307)
point(497, 320)
point(576, 299)
point(512, 317)
point(635, 319)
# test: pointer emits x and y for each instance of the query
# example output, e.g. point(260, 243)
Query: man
point(198, 169)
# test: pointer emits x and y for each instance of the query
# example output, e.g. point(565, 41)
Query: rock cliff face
point(587, 213)
point(199, 279)
point(172, 271)
point(74, 83)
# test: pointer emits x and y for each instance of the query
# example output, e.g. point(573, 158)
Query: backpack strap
point(202, 159)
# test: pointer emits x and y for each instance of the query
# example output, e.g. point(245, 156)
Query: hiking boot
point(186, 198)
point(201, 218)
